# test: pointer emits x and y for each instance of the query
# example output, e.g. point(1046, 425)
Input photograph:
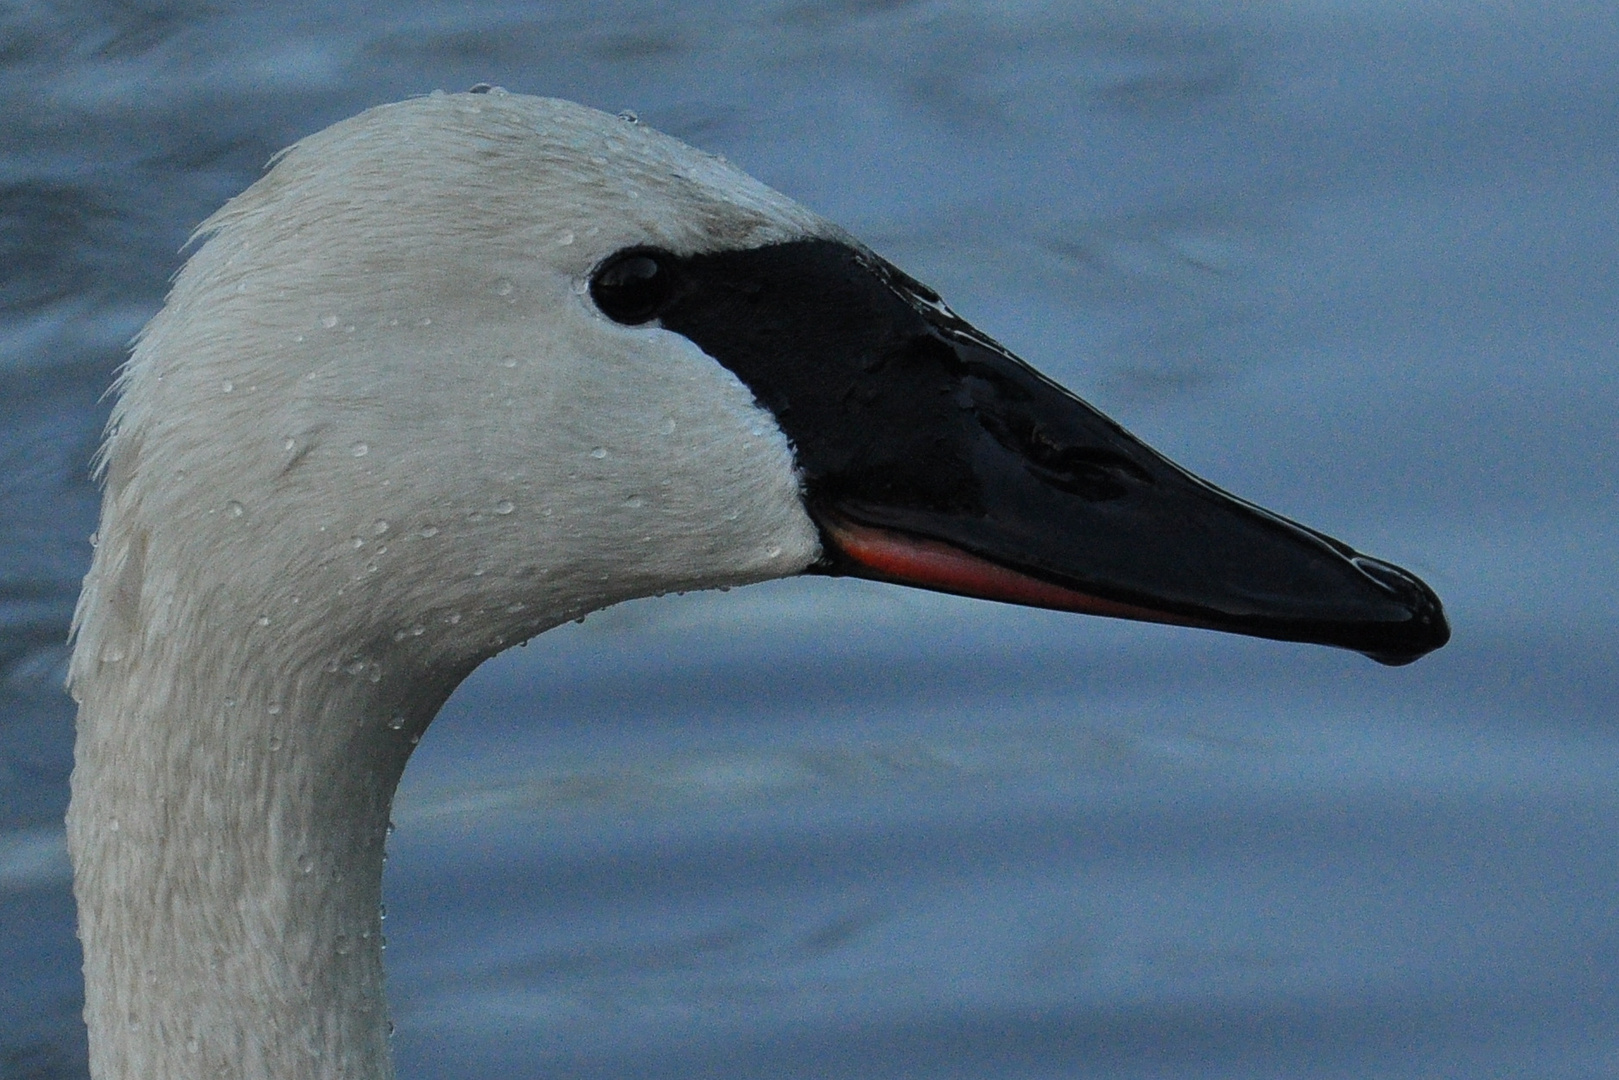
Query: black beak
point(934, 457)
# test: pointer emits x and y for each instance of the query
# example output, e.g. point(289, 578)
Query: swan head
point(465, 366)
point(461, 368)
point(382, 414)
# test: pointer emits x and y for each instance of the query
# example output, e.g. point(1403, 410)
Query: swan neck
point(228, 841)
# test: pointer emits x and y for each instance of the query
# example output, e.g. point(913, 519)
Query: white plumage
point(377, 434)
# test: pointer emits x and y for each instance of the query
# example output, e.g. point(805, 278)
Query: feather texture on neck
point(377, 434)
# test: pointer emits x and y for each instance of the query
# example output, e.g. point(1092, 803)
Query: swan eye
point(633, 286)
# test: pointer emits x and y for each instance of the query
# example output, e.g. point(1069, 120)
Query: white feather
point(378, 433)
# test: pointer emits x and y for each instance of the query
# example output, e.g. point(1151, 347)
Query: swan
point(464, 367)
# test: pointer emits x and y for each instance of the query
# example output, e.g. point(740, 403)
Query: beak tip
point(1409, 655)
point(1425, 631)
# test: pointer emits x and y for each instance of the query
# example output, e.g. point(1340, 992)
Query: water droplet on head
point(599, 453)
point(505, 506)
point(235, 509)
point(628, 116)
point(453, 617)
point(379, 527)
point(343, 945)
point(564, 238)
point(274, 708)
point(418, 630)
point(263, 620)
point(508, 361)
point(399, 635)
point(773, 552)
point(332, 665)
point(635, 502)
point(359, 449)
point(429, 531)
point(112, 654)
point(375, 674)
point(306, 864)
point(290, 444)
point(356, 542)
point(227, 386)
point(329, 321)
point(112, 825)
point(275, 743)
point(192, 1046)
point(504, 288)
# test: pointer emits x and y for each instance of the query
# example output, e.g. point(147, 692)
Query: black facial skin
point(905, 418)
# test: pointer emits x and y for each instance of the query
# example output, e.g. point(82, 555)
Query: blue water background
point(1358, 262)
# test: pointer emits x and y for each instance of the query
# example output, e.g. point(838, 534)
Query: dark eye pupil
point(632, 287)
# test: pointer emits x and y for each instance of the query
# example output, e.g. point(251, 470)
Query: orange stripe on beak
point(910, 560)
